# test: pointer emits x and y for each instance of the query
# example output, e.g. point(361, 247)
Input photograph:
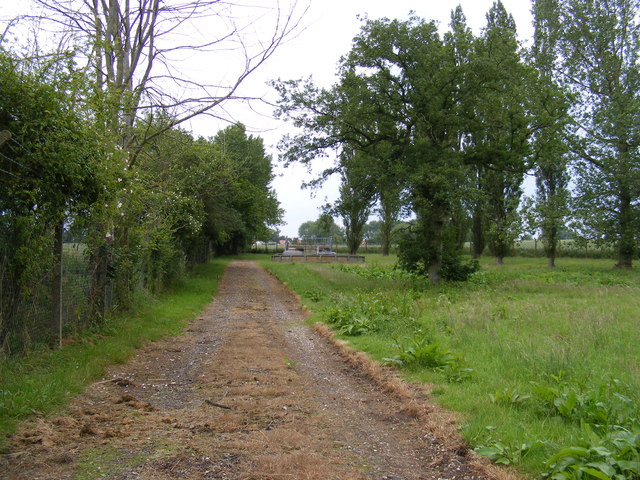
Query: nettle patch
point(379, 272)
point(425, 351)
point(366, 311)
point(394, 313)
point(609, 448)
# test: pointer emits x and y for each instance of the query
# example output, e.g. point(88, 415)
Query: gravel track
point(248, 392)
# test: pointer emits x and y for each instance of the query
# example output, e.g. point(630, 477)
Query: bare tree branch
point(138, 45)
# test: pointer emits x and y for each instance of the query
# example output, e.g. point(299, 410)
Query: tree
point(134, 47)
point(462, 44)
point(372, 232)
point(550, 149)
point(323, 227)
point(250, 195)
point(398, 85)
point(356, 198)
point(51, 172)
point(389, 184)
point(214, 191)
point(500, 129)
point(597, 52)
point(130, 50)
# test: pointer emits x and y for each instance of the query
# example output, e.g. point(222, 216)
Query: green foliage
point(503, 454)
point(423, 351)
point(499, 127)
point(612, 456)
point(509, 397)
point(349, 321)
point(324, 227)
point(407, 128)
point(603, 407)
point(454, 269)
point(602, 81)
point(356, 197)
point(609, 421)
point(143, 227)
point(366, 312)
point(214, 190)
point(377, 271)
point(417, 254)
point(52, 168)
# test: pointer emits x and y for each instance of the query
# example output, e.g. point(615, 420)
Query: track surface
point(248, 392)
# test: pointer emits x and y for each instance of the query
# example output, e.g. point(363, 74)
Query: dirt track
point(248, 393)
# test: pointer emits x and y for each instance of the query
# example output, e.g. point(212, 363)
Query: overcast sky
point(330, 25)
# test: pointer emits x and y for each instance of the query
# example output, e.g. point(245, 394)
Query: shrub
point(415, 255)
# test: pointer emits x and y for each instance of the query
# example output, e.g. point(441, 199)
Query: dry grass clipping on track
point(414, 398)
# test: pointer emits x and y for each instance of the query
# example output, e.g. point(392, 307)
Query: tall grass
point(45, 380)
point(566, 249)
point(525, 353)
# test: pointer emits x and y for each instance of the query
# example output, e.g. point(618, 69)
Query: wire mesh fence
point(44, 310)
point(76, 282)
point(27, 311)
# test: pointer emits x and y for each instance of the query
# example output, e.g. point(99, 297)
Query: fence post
point(56, 293)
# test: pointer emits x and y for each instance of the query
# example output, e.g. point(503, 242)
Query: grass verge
point(42, 382)
point(542, 364)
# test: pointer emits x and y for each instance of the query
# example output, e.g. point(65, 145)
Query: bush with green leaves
point(609, 418)
point(374, 271)
point(415, 255)
point(349, 321)
point(603, 407)
point(503, 454)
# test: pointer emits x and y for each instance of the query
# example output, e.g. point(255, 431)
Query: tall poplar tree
point(550, 149)
point(500, 127)
point(357, 195)
point(598, 62)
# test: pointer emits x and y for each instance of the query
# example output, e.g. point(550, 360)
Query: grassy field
point(543, 365)
point(43, 381)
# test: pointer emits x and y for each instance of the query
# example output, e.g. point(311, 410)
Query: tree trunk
point(354, 227)
point(386, 240)
point(434, 271)
point(99, 269)
point(435, 231)
point(55, 326)
point(626, 246)
point(477, 233)
point(98, 266)
point(354, 245)
point(386, 227)
point(552, 245)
